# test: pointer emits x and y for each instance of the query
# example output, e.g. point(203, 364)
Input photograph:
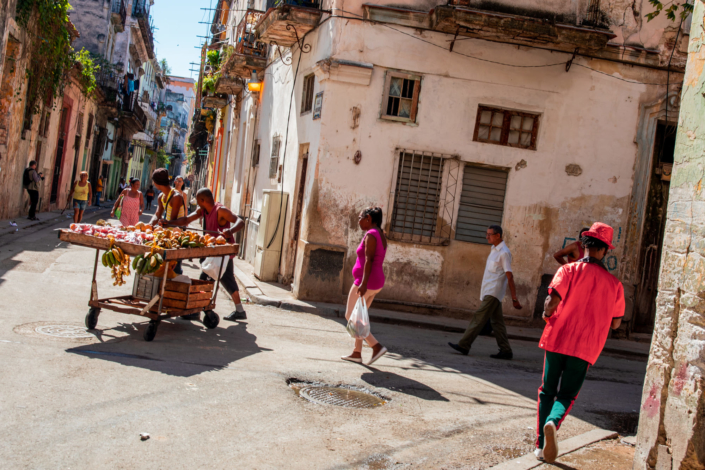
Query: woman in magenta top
point(368, 276)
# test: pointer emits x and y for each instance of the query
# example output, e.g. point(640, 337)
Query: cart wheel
point(92, 318)
point(151, 330)
point(210, 319)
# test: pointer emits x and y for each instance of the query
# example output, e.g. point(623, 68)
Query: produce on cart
point(151, 253)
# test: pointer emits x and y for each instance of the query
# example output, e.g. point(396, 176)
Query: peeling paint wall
point(672, 420)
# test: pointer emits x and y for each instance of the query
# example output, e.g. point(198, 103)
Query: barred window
point(481, 202)
point(421, 200)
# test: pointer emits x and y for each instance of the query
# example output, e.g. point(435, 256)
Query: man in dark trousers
point(498, 274)
point(31, 180)
point(584, 302)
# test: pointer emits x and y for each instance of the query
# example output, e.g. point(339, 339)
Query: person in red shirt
point(584, 302)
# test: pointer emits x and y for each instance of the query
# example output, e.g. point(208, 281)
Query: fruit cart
point(154, 298)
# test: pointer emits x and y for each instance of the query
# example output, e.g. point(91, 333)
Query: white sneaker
point(539, 454)
point(550, 442)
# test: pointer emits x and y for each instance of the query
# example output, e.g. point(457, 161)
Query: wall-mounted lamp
point(254, 85)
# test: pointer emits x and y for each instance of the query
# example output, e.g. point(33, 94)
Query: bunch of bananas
point(171, 239)
point(148, 263)
point(119, 262)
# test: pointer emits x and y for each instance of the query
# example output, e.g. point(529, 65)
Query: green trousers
point(555, 403)
point(489, 308)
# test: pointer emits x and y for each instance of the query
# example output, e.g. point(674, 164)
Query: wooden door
point(60, 151)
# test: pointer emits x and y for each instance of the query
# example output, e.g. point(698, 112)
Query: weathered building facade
point(671, 427)
point(58, 135)
point(449, 117)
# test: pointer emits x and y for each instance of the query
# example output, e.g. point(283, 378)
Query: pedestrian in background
point(98, 190)
point(149, 196)
point(368, 276)
point(81, 192)
point(584, 302)
point(573, 252)
point(122, 186)
point(498, 274)
point(131, 204)
point(31, 180)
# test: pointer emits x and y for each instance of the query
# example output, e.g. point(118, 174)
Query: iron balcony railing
point(297, 3)
point(245, 36)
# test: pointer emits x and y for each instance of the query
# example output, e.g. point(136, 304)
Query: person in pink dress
point(369, 276)
point(131, 203)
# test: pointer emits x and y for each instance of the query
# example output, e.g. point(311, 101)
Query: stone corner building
point(672, 418)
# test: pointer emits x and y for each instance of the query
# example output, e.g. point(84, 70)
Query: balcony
point(118, 15)
point(140, 12)
point(249, 53)
point(288, 22)
point(214, 102)
point(132, 117)
point(464, 19)
point(229, 85)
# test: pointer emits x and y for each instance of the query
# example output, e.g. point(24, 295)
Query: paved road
point(220, 399)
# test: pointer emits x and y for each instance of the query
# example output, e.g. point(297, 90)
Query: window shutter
point(274, 160)
point(481, 203)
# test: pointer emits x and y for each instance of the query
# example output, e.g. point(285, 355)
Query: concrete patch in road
point(569, 445)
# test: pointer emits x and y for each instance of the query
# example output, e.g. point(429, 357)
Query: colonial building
point(451, 117)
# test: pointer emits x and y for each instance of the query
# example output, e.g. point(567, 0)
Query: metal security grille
point(417, 198)
point(481, 203)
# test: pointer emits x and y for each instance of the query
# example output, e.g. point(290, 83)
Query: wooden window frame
point(414, 100)
point(506, 127)
point(307, 94)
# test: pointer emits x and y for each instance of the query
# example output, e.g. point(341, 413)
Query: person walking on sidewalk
point(98, 190)
point(217, 219)
point(584, 302)
point(572, 252)
point(81, 193)
point(498, 273)
point(368, 277)
point(149, 196)
point(131, 203)
point(30, 181)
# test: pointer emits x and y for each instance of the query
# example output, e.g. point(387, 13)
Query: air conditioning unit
point(269, 236)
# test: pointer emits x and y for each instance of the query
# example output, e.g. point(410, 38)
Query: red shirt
point(591, 298)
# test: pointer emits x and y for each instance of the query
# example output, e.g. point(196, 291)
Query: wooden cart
point(172, 299)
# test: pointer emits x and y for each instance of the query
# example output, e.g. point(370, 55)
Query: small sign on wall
point(318, 105)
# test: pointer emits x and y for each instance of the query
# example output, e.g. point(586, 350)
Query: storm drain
point(337, 395)
point(64, 331)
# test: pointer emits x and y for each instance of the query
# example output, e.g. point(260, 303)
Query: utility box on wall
point(269, 236)
point(318, 274)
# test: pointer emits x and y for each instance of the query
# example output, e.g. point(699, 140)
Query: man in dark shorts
point(218, 219)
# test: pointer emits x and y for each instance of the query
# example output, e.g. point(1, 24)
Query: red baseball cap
point(602, 232)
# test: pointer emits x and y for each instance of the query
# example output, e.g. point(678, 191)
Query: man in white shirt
point(498, 274)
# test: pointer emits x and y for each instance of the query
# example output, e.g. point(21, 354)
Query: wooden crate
point(188, 296)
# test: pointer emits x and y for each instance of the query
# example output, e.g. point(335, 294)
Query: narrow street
point(211, 398)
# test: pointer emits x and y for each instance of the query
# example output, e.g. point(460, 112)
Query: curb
point(529, 461)
point(331, 310)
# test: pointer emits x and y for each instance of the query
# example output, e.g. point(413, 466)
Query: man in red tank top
point(220, 219)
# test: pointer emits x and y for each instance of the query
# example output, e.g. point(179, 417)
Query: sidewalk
point(22, 223)
point(277, 295)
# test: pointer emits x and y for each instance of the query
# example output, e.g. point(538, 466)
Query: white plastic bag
point(359, 322)
point(212, 265)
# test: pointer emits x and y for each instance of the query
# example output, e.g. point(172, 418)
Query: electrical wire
point(360, 18)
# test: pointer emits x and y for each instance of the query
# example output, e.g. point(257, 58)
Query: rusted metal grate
point(341, 397)
point(481, 202)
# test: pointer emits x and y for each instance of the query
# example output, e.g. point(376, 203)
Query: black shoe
point(502, 355)
point(191, 317)
point(235, 316)
point(459, 348)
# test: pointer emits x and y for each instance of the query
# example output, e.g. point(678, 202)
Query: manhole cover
point(341, 397)
point(72, 332)
point(64, 331)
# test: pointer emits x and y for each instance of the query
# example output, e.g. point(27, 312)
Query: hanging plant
point(209, 84)
point(51, 56)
